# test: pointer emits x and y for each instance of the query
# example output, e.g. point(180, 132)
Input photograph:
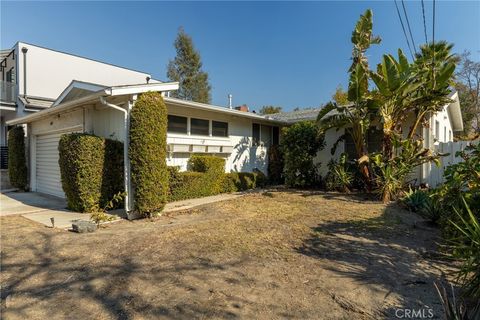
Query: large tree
point(468, 86)
point(186, 68)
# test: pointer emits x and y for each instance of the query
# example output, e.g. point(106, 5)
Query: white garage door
point(47, 168)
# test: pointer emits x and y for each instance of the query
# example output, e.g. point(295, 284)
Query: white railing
point(7, 91)
point(435, 176)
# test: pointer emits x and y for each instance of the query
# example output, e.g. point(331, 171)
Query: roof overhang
point(94, 97)
point(455, 112)
point(219, 109)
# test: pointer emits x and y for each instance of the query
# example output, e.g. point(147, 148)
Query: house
point(100, 108)
point(33, 77)
point(441, 127)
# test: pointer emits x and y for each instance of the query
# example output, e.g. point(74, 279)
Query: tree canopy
point(270, 110)
point(186, 68)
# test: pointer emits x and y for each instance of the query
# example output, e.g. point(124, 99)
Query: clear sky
point(290, 54)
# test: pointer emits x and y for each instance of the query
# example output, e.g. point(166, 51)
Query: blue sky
point(290, 54)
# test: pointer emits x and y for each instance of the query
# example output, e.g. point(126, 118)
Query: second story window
point(437, 130)
point(199, 127)
point(10, 76)
point(219, 129)
point(177, 124)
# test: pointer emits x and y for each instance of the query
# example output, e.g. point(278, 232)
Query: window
point(437, 130)
point(199, 127)
point(445, 134)
point(10, 75)
point(266, 135)
point(219, 129)
point(256, 133)
point(177, 124)
point(449, 135)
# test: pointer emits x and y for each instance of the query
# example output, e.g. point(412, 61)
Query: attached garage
point(47, 170)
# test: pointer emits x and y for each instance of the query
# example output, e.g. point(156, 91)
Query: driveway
point(28, 202)
point(39, 208)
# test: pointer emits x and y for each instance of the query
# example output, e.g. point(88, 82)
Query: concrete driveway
point(28, 202)
point(39, 208)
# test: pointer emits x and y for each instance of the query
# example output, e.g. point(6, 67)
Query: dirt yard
point(274, 255)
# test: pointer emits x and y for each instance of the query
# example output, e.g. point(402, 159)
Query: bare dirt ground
point(274, 255)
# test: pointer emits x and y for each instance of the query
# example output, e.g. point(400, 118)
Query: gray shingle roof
point(295, 116)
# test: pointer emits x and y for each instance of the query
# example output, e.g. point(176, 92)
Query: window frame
point(176, 132)
point(222, 122)
point(201, 134)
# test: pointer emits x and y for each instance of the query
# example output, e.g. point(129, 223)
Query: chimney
point(230, 101)
point(243, 108)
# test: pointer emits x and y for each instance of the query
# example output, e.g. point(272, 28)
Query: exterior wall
point(324, 156)
point(245, 156)
point(50, 72)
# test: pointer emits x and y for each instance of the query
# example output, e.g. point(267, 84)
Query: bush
point(206, 163)
point(148, 152)
point(339, 177)
point(91, 170)
point(275, 165)
point(17, 162)
point(300, 144)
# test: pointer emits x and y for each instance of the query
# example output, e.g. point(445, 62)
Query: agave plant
point(454, 307)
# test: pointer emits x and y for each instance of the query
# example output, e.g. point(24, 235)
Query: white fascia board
point(208, 107)
point(141, 88)
point(80, 85)
point(61, 107)
point(455, 113)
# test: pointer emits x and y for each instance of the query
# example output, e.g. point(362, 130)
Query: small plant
point(467, 249)
point(338, 177)
point(416, 200)
point(99, 215)
point(454, 307)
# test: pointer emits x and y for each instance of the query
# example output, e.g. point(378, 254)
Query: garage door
point(47, 168)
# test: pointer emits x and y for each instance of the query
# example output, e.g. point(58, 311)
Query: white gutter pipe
point(126, 162)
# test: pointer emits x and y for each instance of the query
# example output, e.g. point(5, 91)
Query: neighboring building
point(441, 127)
point(33, 77)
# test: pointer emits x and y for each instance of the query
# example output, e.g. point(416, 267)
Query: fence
point(435, 176)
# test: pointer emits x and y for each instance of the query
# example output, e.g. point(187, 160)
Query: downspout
point(126, 162)
point(24, 51)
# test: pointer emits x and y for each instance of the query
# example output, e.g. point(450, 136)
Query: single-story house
point(241, 137)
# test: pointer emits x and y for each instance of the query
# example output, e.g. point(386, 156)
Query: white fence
point(435, 176)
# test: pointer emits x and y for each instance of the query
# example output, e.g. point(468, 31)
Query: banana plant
point(355, 118)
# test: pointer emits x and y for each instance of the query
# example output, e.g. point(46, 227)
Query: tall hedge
point(91, 170)
point(148, 152)
point(17, 162)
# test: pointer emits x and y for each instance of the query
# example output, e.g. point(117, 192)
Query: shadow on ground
point(396, 251)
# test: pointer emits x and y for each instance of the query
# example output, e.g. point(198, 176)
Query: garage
point(47, 169)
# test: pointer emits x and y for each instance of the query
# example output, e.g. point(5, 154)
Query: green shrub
point(339, 177)
point(275, 165)
point(91, 170)
point(206, 163)
point(261, 179)
point(300, 144)
point(148, 152)
point(415, 200)
point(17, 162)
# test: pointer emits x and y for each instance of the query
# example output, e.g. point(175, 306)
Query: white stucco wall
point(324, 156)
point(50, 72)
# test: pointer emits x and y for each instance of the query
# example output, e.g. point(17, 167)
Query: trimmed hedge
point(17, 162)
point(205, 163)
point(148, 152)
point(91, 170)
point(189, 185)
